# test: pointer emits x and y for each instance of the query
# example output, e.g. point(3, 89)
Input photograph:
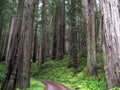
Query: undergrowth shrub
point(57, 71)
point(2, 68)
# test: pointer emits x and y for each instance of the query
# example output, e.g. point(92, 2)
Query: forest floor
point(53, 85)
point(34, 84)
point(57, 71)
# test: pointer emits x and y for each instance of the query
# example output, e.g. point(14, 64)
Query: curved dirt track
point(53, 85)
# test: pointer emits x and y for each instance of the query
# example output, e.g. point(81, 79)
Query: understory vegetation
point(56, 70)
point(34, 84)
point(2, 67)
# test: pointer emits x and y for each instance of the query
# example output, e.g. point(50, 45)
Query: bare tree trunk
point(4, 40)
point(19, 49)
point(111, 41)
point(35, 43)
point(26, 41)
point(1, 31)
point(73, 37)
point(1, 21)
point(61, 31)
point(43, 35)
point(91, 55)
point(48, 44)
point(54, 43)
point(11, 62)
point(62, 5)
point(84, 28)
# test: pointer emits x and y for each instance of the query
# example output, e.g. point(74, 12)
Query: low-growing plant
point(34, 85)
point(57, 71)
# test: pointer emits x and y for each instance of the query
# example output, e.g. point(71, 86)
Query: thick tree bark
point(62, 26)
point(91, 55)
point(35, 43)
point(43, 35)
point(48, 45)
point(25, 44)
point(83, 36)
point(1, 29)
point(1, 46)
point(73, 37)
point(54, 42)
point(11, 62)
point(19, 50)
point(58, 48)
point(111, 41)
point(61, 31)
point(1, 21)
point(59, 51)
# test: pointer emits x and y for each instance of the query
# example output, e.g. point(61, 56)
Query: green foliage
point(34, 85)
point(116, 88)
point(57, 71)
point(2, 67)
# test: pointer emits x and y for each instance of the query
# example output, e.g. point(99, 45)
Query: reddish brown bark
point(111, 41)
point(11, 62)
point(54, 42)
point(73, 37)
point(42, 54)
point(91, 55)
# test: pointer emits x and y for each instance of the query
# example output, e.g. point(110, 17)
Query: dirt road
point(53, 85)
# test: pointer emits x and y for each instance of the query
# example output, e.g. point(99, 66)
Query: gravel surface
point(53, 85)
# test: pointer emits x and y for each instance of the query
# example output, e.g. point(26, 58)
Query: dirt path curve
point(53, 85)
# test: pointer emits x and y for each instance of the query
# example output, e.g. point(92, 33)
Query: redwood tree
point(54, 40)
point(83, 36)
point(73, 37)
point(111, 41)
point(19, 48)
point(91, 50)
point(61, 30)
point(42, 53)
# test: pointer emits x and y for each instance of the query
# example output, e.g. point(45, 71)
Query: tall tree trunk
point(48, 44)
point(111, 41)
point(60, 32)
point(73, 37)
point(62, 6)
point(43, 35)
point(35, 43)
point(1, 29)
point(23, 78)
point(1, 20)
point(58, 48)
point(11, 62)
point(59, 51)
point(91, 55)
point(84, 28)
point(54, 42)
point(19, 49)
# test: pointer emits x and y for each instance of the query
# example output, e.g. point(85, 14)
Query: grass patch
point(35, 85)
point(57, 71)
point(2, 68)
